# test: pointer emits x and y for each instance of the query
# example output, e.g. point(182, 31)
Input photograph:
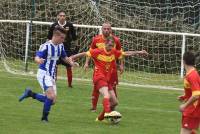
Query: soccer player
point(190, 107)
point(47, 57)
point(104, 60)
point(99, 42)
point(70, 36)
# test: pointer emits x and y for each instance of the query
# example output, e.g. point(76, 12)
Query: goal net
point(165, 29)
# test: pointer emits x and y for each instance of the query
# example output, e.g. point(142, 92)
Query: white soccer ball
point(115, 120)
point(116, 117)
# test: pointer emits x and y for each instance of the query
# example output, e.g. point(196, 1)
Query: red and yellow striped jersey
point(99, 42)
point(191, 88)
point(104, 61)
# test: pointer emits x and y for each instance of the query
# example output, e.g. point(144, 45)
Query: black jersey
point(71, 34)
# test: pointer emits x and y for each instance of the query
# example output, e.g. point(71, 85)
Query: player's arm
point(70, 61)
point(79, 55)
point(135, 53)
point(195, 93)
point(87, 60)
point(121, 65)
point(121, 61)
point(41, 54)
point(191, 100)
point(39, 60)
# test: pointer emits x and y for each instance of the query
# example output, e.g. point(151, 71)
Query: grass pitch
point(144, 110)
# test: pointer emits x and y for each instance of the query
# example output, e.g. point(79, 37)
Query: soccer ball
point(116, 118)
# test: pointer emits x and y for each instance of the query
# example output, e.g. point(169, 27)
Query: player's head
point(59, 34)
point(189, 58)
point(61, 16)
point(109, 43)
point(106, 29)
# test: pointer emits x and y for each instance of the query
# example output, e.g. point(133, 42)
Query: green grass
point(144, 110)
point(132, 77)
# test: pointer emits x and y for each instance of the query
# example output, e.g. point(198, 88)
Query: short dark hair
point(59, 29)
point(61, 11)
point(189, 58)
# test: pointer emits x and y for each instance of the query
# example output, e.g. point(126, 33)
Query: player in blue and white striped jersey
point(47, 57)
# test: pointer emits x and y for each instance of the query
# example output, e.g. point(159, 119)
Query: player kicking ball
point(104, 61)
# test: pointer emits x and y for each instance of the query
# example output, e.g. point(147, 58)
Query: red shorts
point(101, 82)
point(190, 122)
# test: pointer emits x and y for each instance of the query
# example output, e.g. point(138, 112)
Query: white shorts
point(45, 80)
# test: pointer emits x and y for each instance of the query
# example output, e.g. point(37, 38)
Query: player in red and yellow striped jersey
point(104, 60)
point(191, 107)
point(99, 42)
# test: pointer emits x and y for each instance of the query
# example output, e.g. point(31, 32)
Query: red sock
point(193, 132)
point(101, 115)
point(95, 97)
point(106, 105)
point(114, 89)
point(69, 76)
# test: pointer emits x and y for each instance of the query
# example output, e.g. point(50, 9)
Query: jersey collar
point(61, 24)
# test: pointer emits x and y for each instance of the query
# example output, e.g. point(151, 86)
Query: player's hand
point(86, 66)
point(121, 69)
point(143, 53)
point(182, 107)
point(40, 60)
point(75, 64)
point(181, 98)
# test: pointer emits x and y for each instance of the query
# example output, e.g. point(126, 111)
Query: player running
point(47, 57)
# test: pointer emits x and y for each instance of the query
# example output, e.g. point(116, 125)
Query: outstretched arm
point(76, 56)
point(133, 53)
point(70, 61)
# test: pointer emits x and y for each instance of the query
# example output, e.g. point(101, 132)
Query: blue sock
point(47, 105)
point(40, 97)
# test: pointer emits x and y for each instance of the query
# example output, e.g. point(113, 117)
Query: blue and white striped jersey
point(51, 53)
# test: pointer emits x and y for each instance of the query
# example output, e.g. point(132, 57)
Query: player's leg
point(106, 103)
point(113, 100)
point(185, 131)
point(50, 99)
point(29, 93)
point(194, 131)
point(95, 98)
point(69, 75)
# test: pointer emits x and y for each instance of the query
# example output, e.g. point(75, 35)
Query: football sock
point(37, 96)
point(69, 76)
point(193, 132)
point(106, 105)
point(95, 97)
point(47, 107)
point(40, 97)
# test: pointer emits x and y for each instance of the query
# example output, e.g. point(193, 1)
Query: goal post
point(166, 29)
point(131, 69)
